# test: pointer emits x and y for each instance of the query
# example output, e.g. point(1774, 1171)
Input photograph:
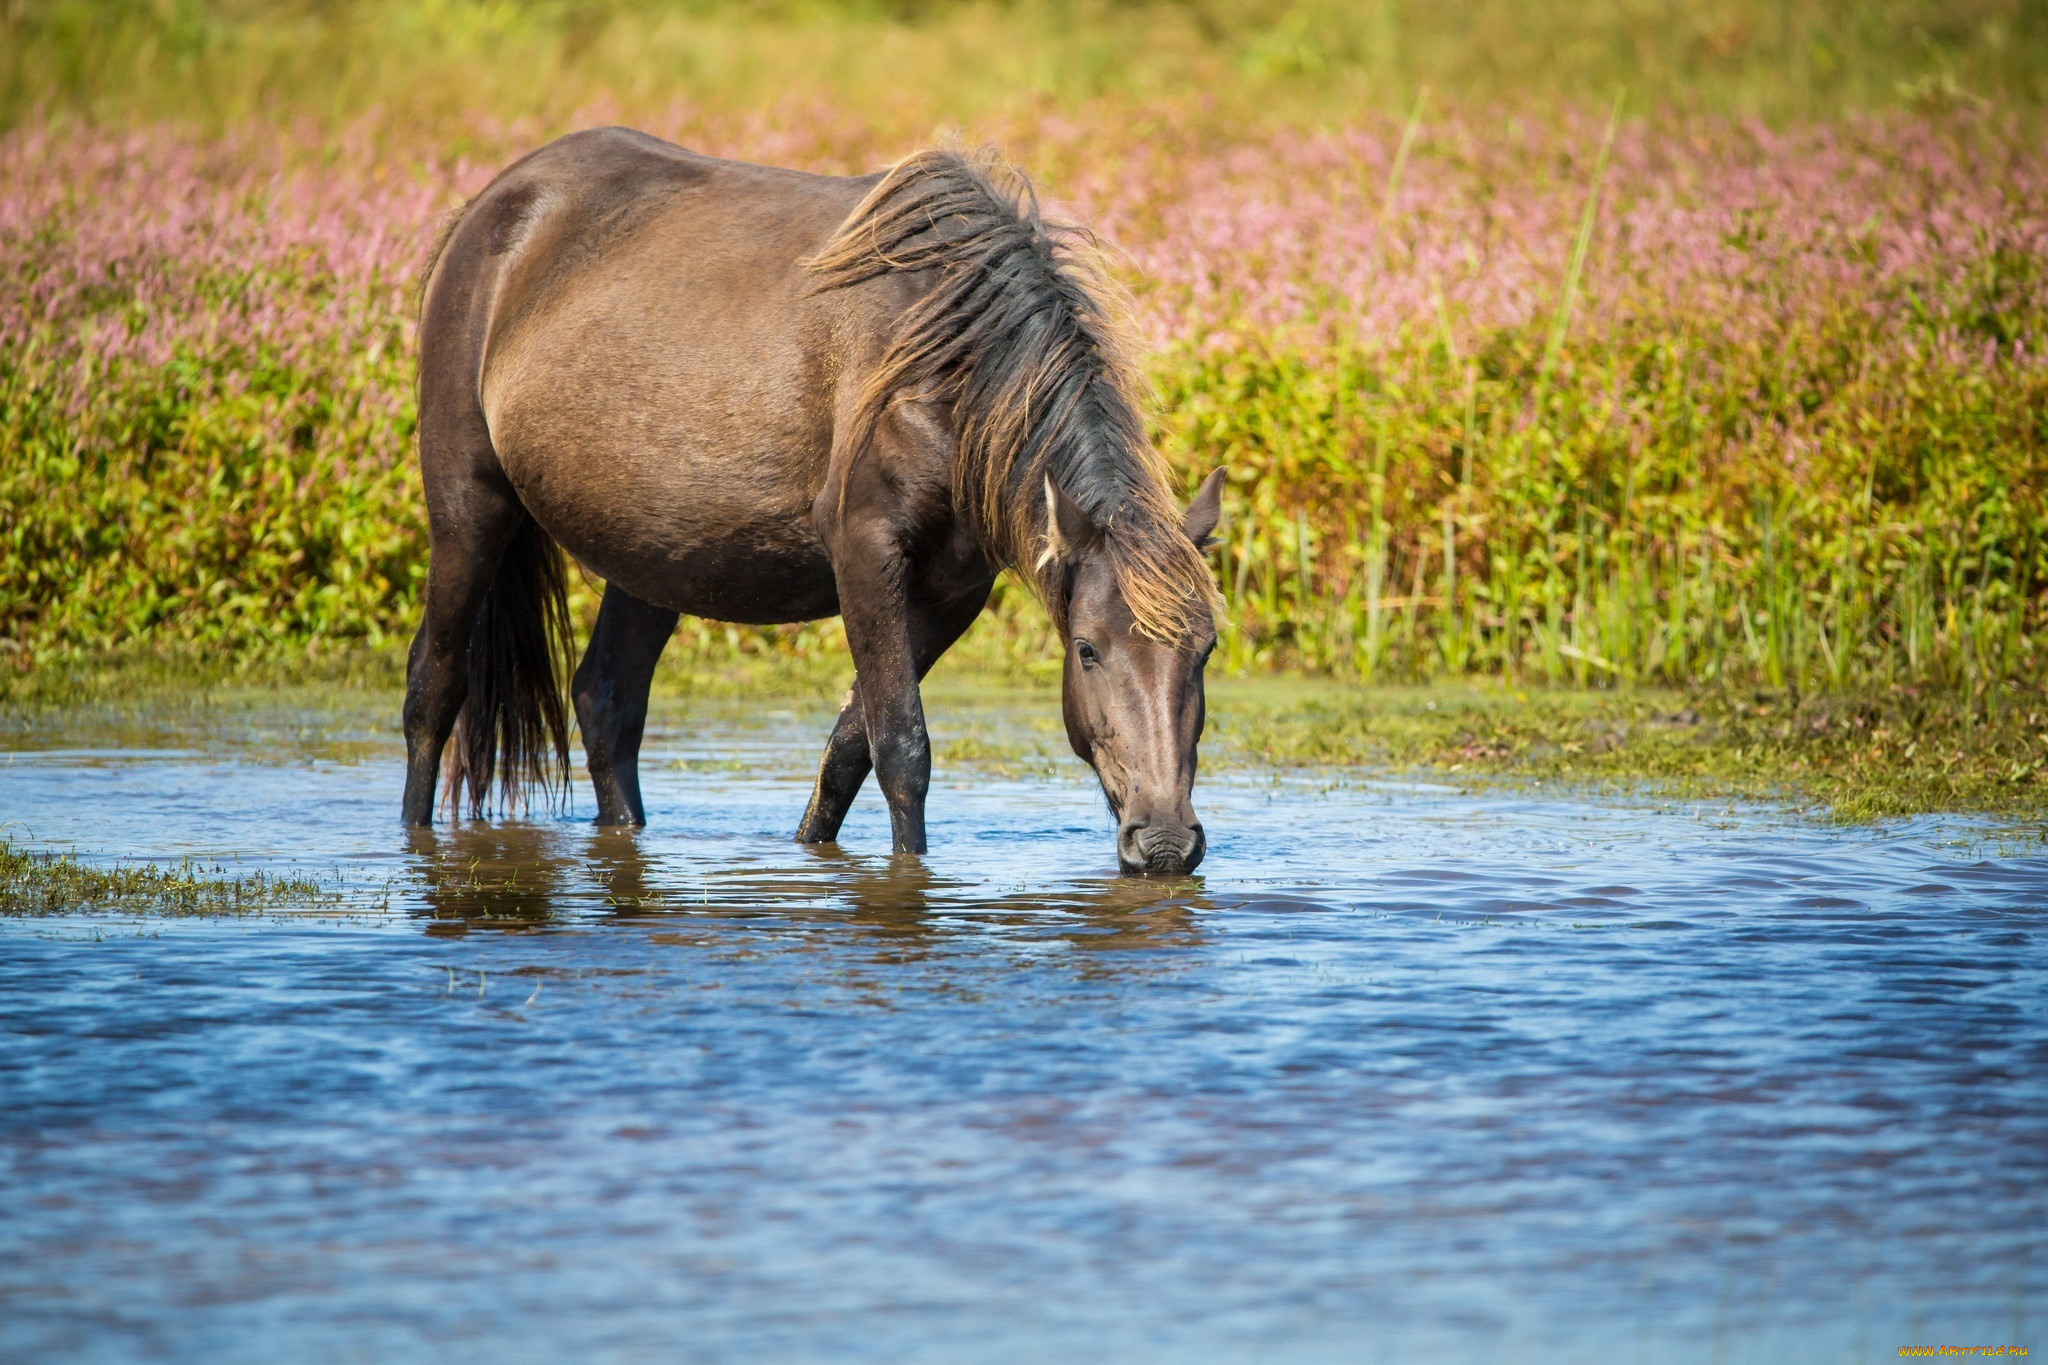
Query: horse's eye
point(1087, 652)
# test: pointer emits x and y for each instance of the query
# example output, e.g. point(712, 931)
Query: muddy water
point(1410, 1072)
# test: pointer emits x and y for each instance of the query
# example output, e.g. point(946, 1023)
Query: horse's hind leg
point(847, 760)
point(472, 514)
point(611, 698)
point(462, 561)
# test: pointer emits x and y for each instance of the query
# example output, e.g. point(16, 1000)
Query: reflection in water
point(1409, 1073)
point(513, 876)
point(508, 876)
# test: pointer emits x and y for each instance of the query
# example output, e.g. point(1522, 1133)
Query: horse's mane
point(1019, 334)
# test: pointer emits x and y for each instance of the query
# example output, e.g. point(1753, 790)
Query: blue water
point(1410, 1072)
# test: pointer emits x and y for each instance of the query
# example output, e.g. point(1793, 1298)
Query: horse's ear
point(1069, 531)
point(1205, 509)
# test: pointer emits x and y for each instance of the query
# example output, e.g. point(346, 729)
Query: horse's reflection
point(513, 877)
point(498, 876)
point(902, 907)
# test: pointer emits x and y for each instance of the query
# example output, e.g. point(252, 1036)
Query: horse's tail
point(514, 722)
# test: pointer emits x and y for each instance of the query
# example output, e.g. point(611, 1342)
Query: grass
point(154, 674)
point(38, 883)
point(431, 61)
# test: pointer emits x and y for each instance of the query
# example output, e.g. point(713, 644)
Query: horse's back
point(659, 379)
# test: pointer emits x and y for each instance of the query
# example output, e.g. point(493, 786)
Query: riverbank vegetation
point(1864, 755)
point(1730, 387)
point(1857, 754)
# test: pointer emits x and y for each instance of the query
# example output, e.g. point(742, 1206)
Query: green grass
point(1390, 519)
point(216, 61)
point(156, 673)
point(1384, 521)
point(37, 883)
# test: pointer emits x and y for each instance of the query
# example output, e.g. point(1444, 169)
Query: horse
point(762, 396)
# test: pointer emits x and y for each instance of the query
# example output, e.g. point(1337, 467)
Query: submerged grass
point(40, 883)
point(1849, 755)
point(1852, 758)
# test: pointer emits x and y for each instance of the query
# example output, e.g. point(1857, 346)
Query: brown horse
point(763, 396)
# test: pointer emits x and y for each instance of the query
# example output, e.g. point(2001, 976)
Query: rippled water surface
point(1410, 1072)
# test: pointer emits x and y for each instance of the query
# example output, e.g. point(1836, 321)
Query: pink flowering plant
point(1666, 398)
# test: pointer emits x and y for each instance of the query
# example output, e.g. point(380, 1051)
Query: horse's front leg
point(933, 631)
point(874, 603)
point(846, 765)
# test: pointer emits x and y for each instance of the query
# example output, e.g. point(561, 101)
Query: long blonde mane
point(1022, 334)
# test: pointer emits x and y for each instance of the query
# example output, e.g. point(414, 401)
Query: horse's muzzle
point(1160, 850)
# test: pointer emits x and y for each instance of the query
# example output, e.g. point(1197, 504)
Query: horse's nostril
point(1165, 849)
point(1157, 840)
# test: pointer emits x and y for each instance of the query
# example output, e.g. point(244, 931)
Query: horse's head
point(1133, 704)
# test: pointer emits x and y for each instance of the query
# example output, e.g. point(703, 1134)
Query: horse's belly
point(721, 541)
point(754, 581)
point(686, 477)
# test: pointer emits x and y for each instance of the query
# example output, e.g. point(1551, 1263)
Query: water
point(1411, 1072)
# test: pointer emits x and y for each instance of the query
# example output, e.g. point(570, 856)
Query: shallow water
point(1410, 1071)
